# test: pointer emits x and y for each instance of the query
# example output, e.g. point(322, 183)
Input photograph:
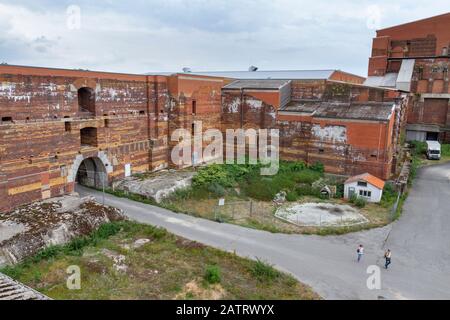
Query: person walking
point(387, 257)
point(360, 252)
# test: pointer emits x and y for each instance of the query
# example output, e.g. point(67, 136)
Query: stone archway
point(92, 173)
point(92, 170)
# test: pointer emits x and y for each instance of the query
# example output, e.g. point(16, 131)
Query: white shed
point(365, 186)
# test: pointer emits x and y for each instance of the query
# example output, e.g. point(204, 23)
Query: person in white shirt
point(360, 252)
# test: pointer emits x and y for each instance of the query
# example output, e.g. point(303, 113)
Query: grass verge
point(165, 267)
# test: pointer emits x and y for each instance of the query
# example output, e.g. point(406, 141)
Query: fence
point(243, 210)
point(393, 213)
point(264, 213)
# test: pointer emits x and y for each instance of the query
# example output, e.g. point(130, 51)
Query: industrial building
point(414, 57)
point(59, 127)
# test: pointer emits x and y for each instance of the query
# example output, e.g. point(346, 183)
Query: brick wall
point(40, 145)
point(135, 116)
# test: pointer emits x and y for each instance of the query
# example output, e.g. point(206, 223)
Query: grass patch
point(212, 275)
point(264, 272)
point(358, 201)
point(221, 180)
point(242, 185)
point(73, 248)
point(164, 268)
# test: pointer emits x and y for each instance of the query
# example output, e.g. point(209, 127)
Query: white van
point(433, 150)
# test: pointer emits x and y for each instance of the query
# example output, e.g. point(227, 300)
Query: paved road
point(420, 243)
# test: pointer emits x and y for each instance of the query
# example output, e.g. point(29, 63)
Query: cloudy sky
point(166, 35)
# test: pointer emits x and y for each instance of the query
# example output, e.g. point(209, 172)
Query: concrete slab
point(9, 229)
point(320, 214)
point(157, 186)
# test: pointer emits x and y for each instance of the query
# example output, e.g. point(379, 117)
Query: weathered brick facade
point(47, 130)
point(62, 126)
point(356, 140)
point(427, 44)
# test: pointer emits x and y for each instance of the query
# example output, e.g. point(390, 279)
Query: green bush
point(47, 253)
point(307, 190)
point(445, 150)
point(360, 202)
point(266, 187)
point(259, 188)
point(107, 230)
point(263, 271)
point(218, 180)
point(212, 274)
point(340, 190)
point(418, 147)
point(319, 167)
point(216, 190)
point(213, 174)
point(291, 166)
point(308, 176)
point(389, 195)
point(292, 196)
point(237, 171)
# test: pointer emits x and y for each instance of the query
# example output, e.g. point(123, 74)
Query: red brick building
point(414, 57)
point(349, 127)
point(62, 126)
point(59, 127)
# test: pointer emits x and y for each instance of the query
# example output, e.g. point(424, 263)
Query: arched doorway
point(92, 173)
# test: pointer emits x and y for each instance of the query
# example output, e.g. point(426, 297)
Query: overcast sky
point(143, 36)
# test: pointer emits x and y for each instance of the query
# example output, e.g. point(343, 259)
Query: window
point(6, 119)
point(142, 112)
point(321, 150)
point(194, 107)
point(88, 137)
point(193, 129)
point(365, 193)
point(67, 126)
point(362, 184)
point(86, 100)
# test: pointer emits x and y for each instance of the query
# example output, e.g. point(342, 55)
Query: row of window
point(365, 193)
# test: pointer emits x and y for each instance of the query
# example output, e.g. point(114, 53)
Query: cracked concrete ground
point(419, 241)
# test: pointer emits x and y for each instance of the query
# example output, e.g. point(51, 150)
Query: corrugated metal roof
point(260, 75)
point(257, 84)
point(367, 111)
